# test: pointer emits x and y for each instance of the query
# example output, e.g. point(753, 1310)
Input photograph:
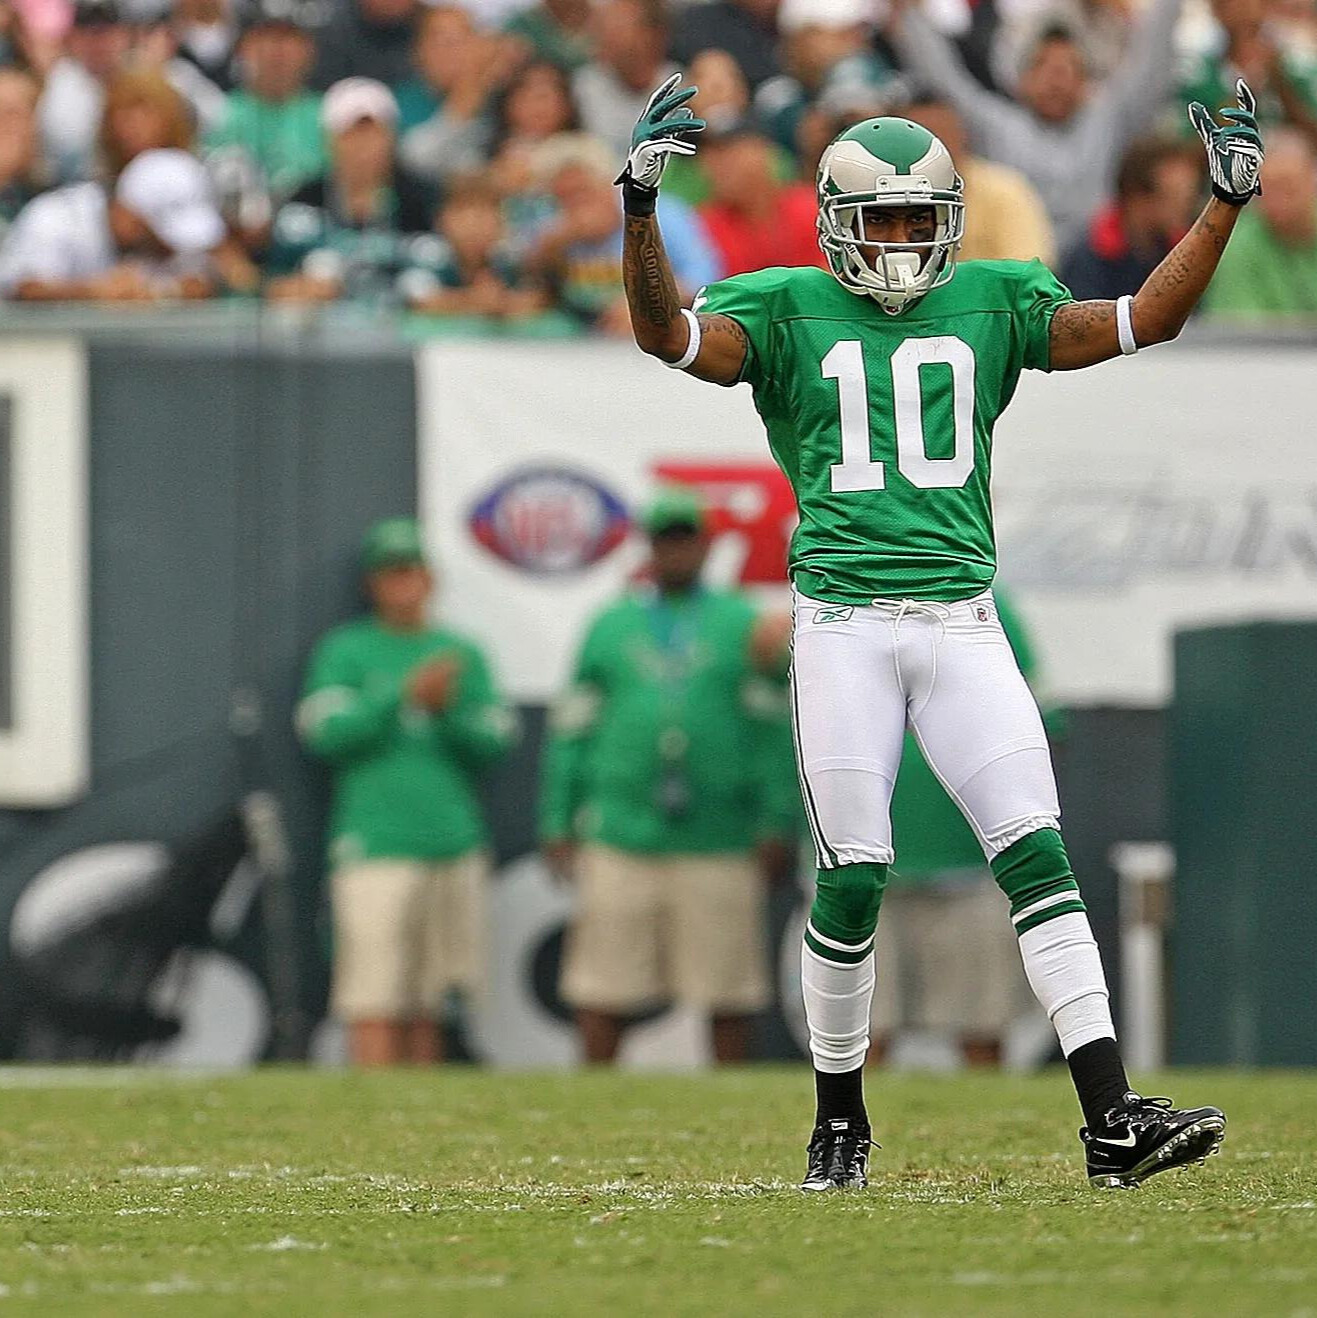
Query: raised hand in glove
point(1234, 149)
point(664, 129)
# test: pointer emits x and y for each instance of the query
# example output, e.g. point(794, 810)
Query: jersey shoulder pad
point(772, 284)
point(1008, 284)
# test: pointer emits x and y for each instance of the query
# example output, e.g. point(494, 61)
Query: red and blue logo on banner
point(549, 519)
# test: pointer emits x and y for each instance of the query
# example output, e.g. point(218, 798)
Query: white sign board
point(1174, 489)
point(43, 573)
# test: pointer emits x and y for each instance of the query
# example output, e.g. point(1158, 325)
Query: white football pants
point(862, 674)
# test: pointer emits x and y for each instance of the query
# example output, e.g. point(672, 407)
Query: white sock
point(837, 1002)
point(1065, 972)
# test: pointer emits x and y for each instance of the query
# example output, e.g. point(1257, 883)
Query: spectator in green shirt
point(272, 122)
point(1270, 268)
point(407, 716)
point(668, 775)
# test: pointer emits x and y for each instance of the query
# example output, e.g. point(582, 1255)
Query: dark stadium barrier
point(1243, 771)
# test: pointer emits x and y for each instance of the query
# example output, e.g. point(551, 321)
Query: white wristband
point(693, 347)
point(1125, 325)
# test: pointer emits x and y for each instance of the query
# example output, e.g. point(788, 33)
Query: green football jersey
point(883, 424)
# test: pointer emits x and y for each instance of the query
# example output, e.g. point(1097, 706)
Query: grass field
point(465, 1192)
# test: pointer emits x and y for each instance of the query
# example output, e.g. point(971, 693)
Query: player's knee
point(1035, 874)
point(845, 911)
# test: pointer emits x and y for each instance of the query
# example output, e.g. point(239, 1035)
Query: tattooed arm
point(656, 320)
point(1084, 333)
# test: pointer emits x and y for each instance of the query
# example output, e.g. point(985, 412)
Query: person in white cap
point(154, 237)
point(347, 233)
point(163, 200)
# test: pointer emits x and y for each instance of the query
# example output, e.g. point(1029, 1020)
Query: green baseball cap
point(675, 507)
point(394, 542)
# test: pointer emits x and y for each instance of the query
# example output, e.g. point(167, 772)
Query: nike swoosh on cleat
point(1127, 1143)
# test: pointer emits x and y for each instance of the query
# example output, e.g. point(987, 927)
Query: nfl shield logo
point(981, 612)
point(549, 520)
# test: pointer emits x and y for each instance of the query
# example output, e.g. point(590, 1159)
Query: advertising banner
point(1177, 488)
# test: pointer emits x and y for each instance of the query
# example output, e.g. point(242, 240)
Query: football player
point(878, 381)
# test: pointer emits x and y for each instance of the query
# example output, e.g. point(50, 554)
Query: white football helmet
point(889, 162)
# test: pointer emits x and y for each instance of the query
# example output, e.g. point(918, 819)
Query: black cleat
point(1144, 1136)
point(838, 1155)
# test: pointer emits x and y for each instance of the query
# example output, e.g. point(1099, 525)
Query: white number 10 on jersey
point(858, 470)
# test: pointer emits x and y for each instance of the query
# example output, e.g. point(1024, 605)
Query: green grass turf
point(465, 1192)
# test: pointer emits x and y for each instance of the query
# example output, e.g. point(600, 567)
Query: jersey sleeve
point(1037, 298)
point(742, 302)
point(341, 717)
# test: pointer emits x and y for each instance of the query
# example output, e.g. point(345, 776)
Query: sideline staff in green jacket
point(408, 716)
point(670, 763)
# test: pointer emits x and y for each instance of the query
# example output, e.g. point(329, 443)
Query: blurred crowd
point(455, 160)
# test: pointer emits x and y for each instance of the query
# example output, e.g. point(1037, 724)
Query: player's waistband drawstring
point(899, 609)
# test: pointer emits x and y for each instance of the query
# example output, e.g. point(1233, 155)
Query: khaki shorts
point(947, 960)
point(652, 929)
point(405, 932)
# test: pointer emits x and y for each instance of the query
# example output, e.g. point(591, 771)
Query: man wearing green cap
point(668, 775)
point(407, 715)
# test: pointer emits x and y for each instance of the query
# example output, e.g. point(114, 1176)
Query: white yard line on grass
point(1122, 1276)
point(179, 1284)
point(185, 1172)
point(409, 1197)
point(285, 1243)
point(543, 1191)
point(99, 1077)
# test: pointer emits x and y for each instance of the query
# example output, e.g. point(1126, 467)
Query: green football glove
point(1234, 149)
point(663, 130)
